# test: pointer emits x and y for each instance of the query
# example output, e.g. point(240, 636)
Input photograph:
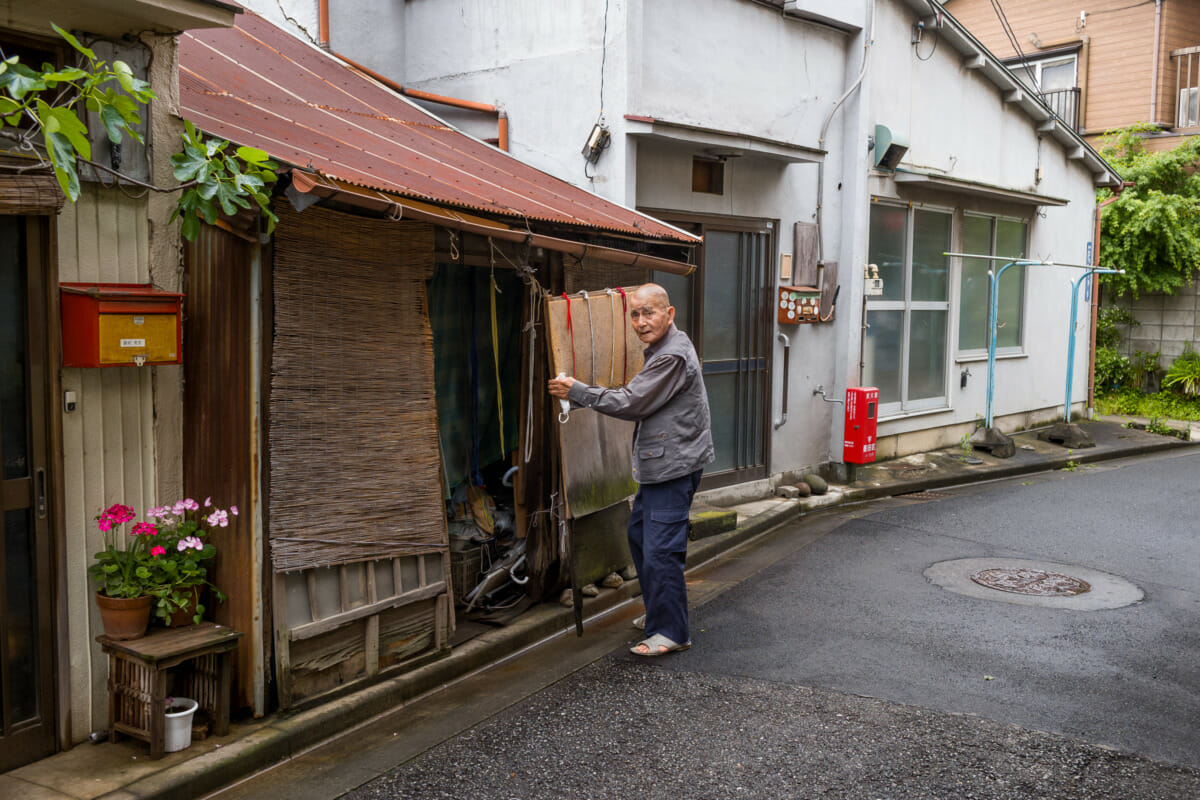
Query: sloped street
point(829, 661)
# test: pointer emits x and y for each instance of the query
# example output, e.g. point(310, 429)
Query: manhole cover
point(1032, 582)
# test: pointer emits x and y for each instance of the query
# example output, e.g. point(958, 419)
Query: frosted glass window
point(881, 354)
point(721, 295)
point(930, 270)
point(926, 355)
point(888, 247)
point(973, 289)
point(905, 343)
point(999, 237)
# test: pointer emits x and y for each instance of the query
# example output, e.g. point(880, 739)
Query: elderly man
point(671, 445)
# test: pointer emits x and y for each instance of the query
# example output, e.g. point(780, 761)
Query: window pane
point(722, 404)
point(679, 287)
point(14, 446)
point(1058, 75)
point(931, 238)
point(926, 355)
point(973, 288)
point(21, 622)
point(887, 247)
point(1010, 242)
point(881, 354)
point(721, 298)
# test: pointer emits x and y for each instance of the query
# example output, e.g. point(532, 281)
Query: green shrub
point(1184, 374)
point(1113, 370)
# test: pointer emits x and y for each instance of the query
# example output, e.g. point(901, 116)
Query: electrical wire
point(937, 37)
point(1011, 35)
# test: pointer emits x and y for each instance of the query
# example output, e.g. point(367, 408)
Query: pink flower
point(144, 529)
point(158, 512)
point(120, 514)
point(233, 510)
point(105, 524)
point(178, 509)
point(207, 502)
point(158, 550)
point(218, 518)
point(190, 542)
point(191, 505)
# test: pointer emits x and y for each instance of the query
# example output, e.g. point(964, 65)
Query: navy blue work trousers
point(658, 529)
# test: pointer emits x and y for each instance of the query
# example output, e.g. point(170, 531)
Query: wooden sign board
point(596, 345)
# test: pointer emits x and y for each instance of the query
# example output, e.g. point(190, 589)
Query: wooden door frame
point(735, 224)
point(42, 331)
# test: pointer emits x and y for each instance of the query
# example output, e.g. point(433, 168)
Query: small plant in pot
point(184, 558)
point(127, 573)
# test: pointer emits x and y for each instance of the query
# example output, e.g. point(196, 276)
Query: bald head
point(653, 294)
point(650, 312)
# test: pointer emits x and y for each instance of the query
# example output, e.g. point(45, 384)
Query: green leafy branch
point(217, 181)
point(40, 114)
point(1152, 231)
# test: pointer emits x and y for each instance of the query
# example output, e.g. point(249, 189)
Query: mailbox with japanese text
point(862, 404)
point(120, 324)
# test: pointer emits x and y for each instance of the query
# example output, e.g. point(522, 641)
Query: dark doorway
point(26, 656)
point(726, 310)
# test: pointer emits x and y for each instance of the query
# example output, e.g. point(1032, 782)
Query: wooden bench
point(138, 678)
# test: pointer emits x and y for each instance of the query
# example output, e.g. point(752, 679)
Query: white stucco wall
point(737, 67)
point(958, 122)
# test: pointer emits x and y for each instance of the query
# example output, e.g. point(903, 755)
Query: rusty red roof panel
point(256, 85)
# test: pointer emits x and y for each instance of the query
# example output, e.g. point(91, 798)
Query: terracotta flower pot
point(124, 618)
point(183, 616)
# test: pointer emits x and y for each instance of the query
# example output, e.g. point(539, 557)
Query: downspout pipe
point(1154, 67)
point(323, 23)
point(867, 41)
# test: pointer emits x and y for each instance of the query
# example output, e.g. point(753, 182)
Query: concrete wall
point(1166, 323)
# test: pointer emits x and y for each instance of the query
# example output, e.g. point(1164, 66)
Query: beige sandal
point(657, 645)
point(640, 622)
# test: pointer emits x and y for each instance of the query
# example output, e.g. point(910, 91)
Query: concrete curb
point(287, 734)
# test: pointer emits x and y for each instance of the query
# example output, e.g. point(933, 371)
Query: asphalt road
point(827, 665)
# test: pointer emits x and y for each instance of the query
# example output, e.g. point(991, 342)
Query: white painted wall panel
point(108, 444)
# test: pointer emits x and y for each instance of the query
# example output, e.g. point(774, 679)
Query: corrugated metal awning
point(399, 207)
point(256, 85)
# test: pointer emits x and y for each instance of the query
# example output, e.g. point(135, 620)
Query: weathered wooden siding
point(108, 442)
point(217, 411)
point(1119, 69)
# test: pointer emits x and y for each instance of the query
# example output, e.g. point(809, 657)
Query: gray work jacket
point(668, 400)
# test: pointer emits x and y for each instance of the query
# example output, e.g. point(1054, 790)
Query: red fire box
point(862, 402)
point(120, 324)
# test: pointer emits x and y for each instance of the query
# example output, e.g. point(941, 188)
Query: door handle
point(39, 486)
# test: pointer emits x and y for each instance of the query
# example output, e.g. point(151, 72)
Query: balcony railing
point(1065, 105)
point(1187, 87)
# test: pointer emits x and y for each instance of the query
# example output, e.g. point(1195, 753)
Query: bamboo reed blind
point(355, 467)
point(30, 194)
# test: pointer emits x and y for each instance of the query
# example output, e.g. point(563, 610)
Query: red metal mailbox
point(862, 403)
point(120, 324)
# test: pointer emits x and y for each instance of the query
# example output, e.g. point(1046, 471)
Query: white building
point(760, 124)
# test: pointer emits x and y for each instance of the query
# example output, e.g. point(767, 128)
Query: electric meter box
point(862, 406)
point(799, 304)
point(120, 325)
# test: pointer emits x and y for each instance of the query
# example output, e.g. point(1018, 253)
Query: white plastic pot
point(177, 732)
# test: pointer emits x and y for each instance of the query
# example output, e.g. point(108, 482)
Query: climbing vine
point(1152, 231)
point(40, 119)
